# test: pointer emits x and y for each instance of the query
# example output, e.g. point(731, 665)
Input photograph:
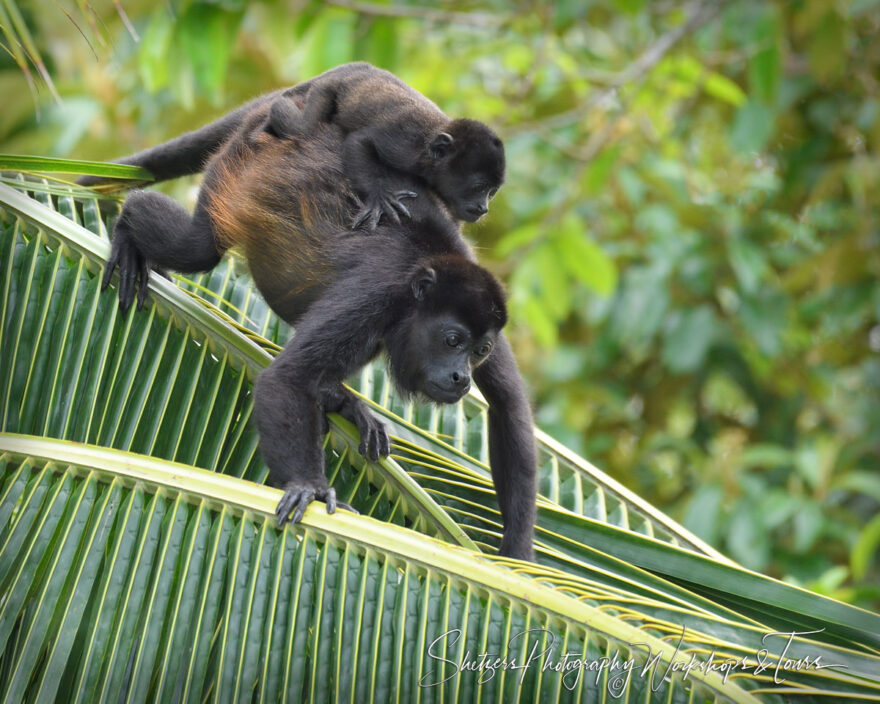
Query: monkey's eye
point(453, 340)
point(492, 192)
point(483, 349)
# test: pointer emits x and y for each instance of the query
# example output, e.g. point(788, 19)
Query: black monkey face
point(468, 198)
point(468, 168)
point(438, 356)
point(457, 310)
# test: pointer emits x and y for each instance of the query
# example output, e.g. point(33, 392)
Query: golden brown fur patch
point(258, 202)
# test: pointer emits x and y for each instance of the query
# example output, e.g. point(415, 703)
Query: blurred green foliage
point(689, 231)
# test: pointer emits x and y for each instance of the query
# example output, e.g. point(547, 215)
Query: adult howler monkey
point(390, 125)
point(411, 288)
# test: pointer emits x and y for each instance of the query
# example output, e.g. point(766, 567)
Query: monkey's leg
point(290, 120)
point(286, 119)
point(369, 176)
point(154, 231)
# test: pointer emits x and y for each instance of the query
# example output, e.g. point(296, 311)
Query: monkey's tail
point(189, 153)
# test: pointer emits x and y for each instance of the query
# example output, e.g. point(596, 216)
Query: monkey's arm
point(512, 452)
point(338, 334)
point(370, 167)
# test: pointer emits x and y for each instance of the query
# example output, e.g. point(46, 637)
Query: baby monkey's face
point(469, 199)
point(468, 168)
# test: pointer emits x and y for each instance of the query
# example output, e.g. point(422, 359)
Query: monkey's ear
point(441, 145)
point(423, 281)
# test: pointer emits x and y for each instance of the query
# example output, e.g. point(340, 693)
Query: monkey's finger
point(110, 267)
point(365, 448)
point(131, 265)
point(286, 505)
point(330, 500)
point(401, 208)
point(375, 215)
point(368, 450)
point(347, 507)
point(361, 218)
point(389, 206)
point(125, 301)
point(305, 498)
point(385, 443)
point(127, 274)
point(373, 444)
point(144, 282)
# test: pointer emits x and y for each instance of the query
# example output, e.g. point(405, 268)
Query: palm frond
point(128, 574)
point(174, 381)
point(39, 164)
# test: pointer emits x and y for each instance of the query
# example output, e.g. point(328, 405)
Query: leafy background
point(689, 231)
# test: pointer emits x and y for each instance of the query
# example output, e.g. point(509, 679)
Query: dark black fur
point(411, 288)
point(391, 126)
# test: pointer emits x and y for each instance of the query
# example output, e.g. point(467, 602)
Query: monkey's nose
point(478, 210)
point(460, 380)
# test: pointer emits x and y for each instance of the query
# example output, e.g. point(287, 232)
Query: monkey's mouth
point(442, 395)
point(471, 215)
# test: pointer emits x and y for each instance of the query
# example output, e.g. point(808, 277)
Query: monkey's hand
point(299, 494)
point(134, 269)
point(381, 202)
point(374, 437)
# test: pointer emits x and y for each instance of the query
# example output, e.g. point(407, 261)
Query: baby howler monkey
point(389, 127)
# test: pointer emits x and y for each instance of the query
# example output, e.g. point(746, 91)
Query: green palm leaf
point(177, 351)
point(23, 163)
point(67, 371)
point(139, 578)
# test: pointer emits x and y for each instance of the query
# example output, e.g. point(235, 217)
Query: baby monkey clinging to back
point(391, 126)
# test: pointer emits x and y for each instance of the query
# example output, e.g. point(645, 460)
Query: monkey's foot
point(374, 437)
point(298, 496)
point(379, 203)
point(134, 269)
